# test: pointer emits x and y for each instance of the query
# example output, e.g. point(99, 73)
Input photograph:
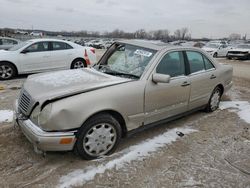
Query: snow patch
point(242, 108)
point(6, 116)
point(137, 152)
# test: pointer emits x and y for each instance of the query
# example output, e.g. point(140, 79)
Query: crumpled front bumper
point(43, 140)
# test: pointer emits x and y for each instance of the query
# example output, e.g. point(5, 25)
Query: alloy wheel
point(6, 72)
point(78, 65)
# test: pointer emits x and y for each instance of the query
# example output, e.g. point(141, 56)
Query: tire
point(214, 100)
point(99, 132)
point(215, 55)
point(228, 56)
point(7, 71)
point(78, 64)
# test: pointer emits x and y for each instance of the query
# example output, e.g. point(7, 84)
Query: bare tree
point(182, 34)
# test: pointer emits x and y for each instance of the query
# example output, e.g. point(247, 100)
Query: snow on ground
point(6, 116)
point(242, 108)
point(133, 153)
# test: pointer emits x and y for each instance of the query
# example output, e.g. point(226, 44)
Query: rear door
point(163, 100)
point(203, 78)
point(62, 55)
point(36, 57)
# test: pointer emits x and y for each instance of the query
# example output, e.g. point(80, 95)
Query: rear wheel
point(78, 64)
point(214, 100)
point(7, 71)
point(98, 136)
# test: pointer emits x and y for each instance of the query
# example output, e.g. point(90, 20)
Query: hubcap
point(215, 100)
point(78, 65)
point(5, 71)
point(99, 140)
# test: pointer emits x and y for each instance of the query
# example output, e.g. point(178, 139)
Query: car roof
point(46, 39)
point(156, 46)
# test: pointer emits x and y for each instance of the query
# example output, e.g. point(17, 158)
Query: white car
point(216, 49)
point(40, 55)
point(6, 42)
point(241, 51)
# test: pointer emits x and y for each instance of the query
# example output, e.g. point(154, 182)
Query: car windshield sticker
point(143, 53)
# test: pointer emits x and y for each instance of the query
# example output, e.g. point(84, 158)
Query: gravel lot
point(216, 154)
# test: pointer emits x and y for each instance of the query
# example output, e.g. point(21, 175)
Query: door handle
point(184, 84)
point(46, 56)
point(212, 76)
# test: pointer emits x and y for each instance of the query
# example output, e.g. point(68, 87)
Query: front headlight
point(34, 115)
point(44, 114)
point(41, 117)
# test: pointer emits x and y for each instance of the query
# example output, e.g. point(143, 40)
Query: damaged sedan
point(134, 84)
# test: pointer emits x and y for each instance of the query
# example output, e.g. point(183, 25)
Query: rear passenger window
point(196, 62)
point(208, 63)
point(61, 46)
point(172, 64)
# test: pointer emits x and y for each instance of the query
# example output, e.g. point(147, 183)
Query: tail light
point(92, 50)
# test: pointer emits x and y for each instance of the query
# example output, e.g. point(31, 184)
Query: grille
point(25, 103)
point(237, 52)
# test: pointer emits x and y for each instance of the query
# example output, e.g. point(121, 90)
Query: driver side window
point(172, 64)
point(38, 47)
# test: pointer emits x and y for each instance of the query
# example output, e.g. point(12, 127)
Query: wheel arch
point(11, 64)
point(115, 115)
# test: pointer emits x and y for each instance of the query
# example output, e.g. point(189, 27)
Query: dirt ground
point(217, 155)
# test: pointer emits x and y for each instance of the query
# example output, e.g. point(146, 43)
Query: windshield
point(213, 45)
point(245, 46)
point(18, 46)
point(127, 61)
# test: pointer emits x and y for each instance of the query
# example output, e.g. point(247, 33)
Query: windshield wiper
point(115, 73)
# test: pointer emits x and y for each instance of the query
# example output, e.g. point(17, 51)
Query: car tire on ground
point(78, 64)
point(215, 55)
point(98, 136)
point(214, 100)
point(228, 57)
point(7, 71)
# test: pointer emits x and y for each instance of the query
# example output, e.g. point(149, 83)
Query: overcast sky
point(204, 18)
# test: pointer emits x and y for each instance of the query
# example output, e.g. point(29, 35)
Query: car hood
point(59, 84)
point(4, 53)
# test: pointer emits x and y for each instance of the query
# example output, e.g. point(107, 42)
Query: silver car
point(134, 84)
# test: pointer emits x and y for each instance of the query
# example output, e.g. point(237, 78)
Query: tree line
point(160, 34)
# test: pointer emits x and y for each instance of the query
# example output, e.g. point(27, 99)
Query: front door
point(36, 57)
point(163, 100)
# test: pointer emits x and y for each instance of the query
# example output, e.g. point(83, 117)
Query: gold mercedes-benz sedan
point(134, 84)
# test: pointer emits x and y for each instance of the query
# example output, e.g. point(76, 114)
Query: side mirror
point(160, 78)
point(24, 51)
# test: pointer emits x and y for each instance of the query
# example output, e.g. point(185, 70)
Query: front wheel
point(214, 100)
point(98, 136)
point(7, 71)
point(215, 55)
